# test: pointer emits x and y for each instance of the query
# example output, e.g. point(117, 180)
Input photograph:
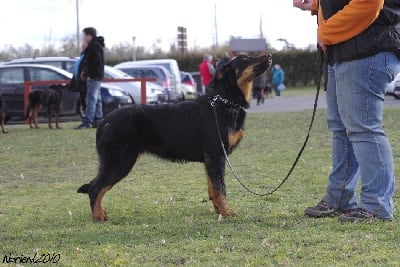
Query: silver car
point(154, 93)
point(393, 88)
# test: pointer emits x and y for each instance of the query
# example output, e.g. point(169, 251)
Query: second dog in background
point(51, 98)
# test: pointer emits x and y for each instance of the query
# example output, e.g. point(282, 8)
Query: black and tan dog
point(178, 132)
point(2, 116)
point(50, 98)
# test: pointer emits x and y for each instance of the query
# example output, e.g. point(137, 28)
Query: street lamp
point(134, 48)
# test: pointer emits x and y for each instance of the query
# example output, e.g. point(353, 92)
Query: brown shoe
point(322, 209)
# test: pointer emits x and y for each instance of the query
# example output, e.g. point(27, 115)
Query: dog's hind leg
point(49, 117)
point(2, 118)
point(114, 165)
point(36, 114)
point(57, 115)
point(216, 186)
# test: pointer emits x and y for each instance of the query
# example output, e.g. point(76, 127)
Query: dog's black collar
point(227, 102)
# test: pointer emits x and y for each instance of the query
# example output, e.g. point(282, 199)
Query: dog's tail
point(84, 189)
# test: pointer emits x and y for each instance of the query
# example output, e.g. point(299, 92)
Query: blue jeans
point(355, 96)
point(94, 106)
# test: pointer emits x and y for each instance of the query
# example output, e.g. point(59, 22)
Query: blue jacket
point(278, 76)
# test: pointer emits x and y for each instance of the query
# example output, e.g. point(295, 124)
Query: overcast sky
point(37, 22)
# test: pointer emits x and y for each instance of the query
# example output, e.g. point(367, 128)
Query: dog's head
point(57, 88)
point(234, 80)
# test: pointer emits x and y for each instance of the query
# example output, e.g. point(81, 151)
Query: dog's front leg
point(57, 115)
point(216, 186)
point(49, 117)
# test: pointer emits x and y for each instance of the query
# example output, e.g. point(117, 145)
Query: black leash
point(230, 103)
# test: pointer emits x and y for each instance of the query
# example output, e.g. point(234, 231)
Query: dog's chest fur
point(235, 126)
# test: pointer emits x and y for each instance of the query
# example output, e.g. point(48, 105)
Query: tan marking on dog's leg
point(36, 114)
point(57, 115)
point(3, 116)
point(99, 214)
point(219, 200)
point(210, 188)
point(49, 122)
point(235, 138)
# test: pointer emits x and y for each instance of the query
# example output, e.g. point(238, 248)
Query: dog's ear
point(220, 73)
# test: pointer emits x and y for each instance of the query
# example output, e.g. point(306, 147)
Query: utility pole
point(78, 35)
point(182, 40)
point(134, 48)
point(215, 27)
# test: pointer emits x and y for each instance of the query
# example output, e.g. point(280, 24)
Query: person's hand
point(321, 44)
point(303, 4)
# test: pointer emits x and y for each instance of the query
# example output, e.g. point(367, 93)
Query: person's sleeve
point(352, 20)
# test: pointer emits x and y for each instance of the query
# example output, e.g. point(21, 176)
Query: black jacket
point(94, 60)
point(382, 35)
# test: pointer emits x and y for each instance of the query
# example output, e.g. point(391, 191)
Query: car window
point(57, 64)
point(149, 74)
point(12, 75)
point(38, 74)
point(69, 66)
point(108, 76)
point(131, 72)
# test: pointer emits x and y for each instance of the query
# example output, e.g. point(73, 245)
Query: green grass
point(158, 216)
point(300, 91)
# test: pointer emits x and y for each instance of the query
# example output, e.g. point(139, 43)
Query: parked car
point(65, 63)
point(159, 73)
point(196, 76)
point(172, 67)
point(12, 78)
point(189, 86)
point(154, 94)
point(393, 88)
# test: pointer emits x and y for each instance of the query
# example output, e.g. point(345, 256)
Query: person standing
point(259, 84)
point(207, 71)
point(93, 73)
point(78, 83)
point(361, 40)
point(278, 77)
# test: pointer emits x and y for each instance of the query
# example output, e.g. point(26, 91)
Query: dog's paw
point(100, 216)
point(228, 213)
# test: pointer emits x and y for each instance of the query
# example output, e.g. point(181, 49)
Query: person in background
point(93, 73)
point(361, 40)
point(207, 71)
point(278, 77)
point(259, 85)
point(77, 84)
point(225, 59)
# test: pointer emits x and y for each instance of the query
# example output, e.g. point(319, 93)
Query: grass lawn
point(158, 215)
point(300, 91)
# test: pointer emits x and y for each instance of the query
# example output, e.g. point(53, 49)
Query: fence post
point(27, 90)
point(143, 99)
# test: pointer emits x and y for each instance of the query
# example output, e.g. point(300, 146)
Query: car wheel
point(396, 96)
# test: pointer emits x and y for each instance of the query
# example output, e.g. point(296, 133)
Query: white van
point(172, 66)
